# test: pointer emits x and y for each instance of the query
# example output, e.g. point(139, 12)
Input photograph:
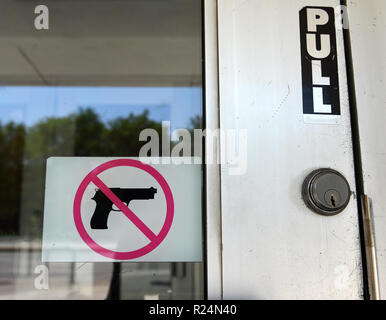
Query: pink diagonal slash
point(121, 206)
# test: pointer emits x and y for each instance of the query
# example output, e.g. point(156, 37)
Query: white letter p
point(315, 18)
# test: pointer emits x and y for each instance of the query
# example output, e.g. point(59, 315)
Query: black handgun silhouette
point(104, 205)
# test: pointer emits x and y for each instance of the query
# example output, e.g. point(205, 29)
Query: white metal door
point(273, 247)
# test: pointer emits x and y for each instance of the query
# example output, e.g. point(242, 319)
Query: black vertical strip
point(204, 187)
point(356, 147)
point(329, 64)
point(115, 283)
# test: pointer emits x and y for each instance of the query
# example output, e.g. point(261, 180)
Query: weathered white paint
point(273, 246)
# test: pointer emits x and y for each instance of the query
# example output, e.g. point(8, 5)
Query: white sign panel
point(120, 209)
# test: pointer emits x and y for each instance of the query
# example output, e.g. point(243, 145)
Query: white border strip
point(321, 119)
point(213, 181)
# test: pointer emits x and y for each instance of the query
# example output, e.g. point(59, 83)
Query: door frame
point(213, 259)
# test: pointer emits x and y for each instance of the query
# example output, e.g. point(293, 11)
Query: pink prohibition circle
point(131, 254)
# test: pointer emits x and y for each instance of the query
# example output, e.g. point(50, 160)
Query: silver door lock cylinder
point(326, 192)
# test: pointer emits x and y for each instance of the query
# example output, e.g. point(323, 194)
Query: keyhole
point(333, 201)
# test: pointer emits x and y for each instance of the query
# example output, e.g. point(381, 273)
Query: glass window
point(103, 71)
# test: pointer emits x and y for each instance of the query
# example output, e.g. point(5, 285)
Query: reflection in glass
point(103, 71)
point(76, 121)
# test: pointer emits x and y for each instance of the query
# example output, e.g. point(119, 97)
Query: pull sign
point(321, 102)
